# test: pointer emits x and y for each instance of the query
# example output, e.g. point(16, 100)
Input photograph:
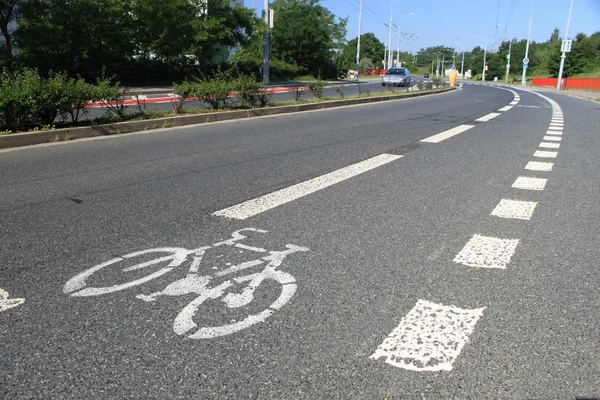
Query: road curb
point(32, 138)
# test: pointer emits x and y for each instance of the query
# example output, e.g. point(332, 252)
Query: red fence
point(570, 83)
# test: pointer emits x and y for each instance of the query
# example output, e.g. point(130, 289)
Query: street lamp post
point(462, 64)
point(399, 31)
point(390, 37)
point(484, 57)
point(564, 54)
point(524, 76)
point(508, 56)
point(357, 65)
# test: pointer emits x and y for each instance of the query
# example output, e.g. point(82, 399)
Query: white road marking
point(6, 303)
point(545, 154)
point(555, 128)
point(263, 203)
point(553, 138)
point(514, 209)
point(539, 166)
point(505, 108)
point(553, 132)
point(488, 117)
point(546, 145)
point(556, 124)
point(487, 252)
point(429, 338)
point(447, 134)
point(527, 183)
point(513, 103)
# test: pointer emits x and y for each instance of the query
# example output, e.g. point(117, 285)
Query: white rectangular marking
point(553, 132)
point(555, 128)
point(447, 134)
point(546, 145)
point(263, 203)
point(487, 252)
point(488, 117)
point(539, 166)
point(553, 138)
point(545, 154)
point(505, 108)
point(513, 103)
point(429, 338)
point(527, 183)
point(514, 209)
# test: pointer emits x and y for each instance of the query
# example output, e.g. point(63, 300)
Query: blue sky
point(438, 22)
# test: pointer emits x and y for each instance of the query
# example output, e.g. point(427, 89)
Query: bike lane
point(370, 245)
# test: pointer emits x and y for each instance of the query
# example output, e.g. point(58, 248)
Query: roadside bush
point(248, 90)
point(214, 90)
point(182, 90)
point(112, 96)
point(428, 85)
point(316, 87)
point(437, 82)
point(78, 93)
point(420, 85)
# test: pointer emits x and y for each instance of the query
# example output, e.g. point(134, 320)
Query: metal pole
point(564, 55)
point(267, 45)
point(508, 57)
point(432, 67)
point(390, 37)
point(462, 65)
point(398, 54)
point(524, 76)
point(484, 60)
point(358, 44)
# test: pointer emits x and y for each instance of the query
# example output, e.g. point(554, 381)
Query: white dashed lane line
point(528, 183)
point(487, 252)
point(553, 138)
point(539, 166)
point(447, 134)
point(514, 209)
point(429, 338)
point(546, 145)
point(545, 154)
point(488, 117)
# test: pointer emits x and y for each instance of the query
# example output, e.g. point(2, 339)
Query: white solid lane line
point(545, 154)
point(514, 209)
point(429, 338)
point(528, 183)
point(488, 117)
point(539, 166)
point(553, 138)
point(447, 134)
point(505, 108)
point(263, 203)
point(546, 145)
point(487, 252)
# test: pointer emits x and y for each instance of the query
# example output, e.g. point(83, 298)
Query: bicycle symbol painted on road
point(200, 285)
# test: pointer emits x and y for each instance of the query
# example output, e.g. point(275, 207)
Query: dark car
point(426, 76)
point(396, 77)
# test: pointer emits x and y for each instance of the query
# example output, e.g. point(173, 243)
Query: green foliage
point(215, 91)
point(370, 49)
point(316, 87)
point(249, 91)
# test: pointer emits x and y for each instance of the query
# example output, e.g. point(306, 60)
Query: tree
point(7, 15)
point(305, 34)
point(370, 48)
point(555, 37)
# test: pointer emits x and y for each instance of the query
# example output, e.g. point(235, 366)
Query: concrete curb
point(32, 138)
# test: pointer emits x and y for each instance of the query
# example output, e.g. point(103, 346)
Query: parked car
point(425, 75)
point(396, 77)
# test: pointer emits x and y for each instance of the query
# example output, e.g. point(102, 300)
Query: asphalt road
point(332, 91)
point(368, 245)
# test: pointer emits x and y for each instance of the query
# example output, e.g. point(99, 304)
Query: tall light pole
point(484, 57)
point(358, 44)
point(508, 56)
point(462, 64)
point(524, 76)
point(390, 37)
point(564, 54)
point(399, 31)
point(267, 45)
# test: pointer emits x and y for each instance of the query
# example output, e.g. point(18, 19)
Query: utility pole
point(484, 58)
point(390, 37)
point(525, 65)
point(399, 31)
point(358, 44)
point(267, 45)
point(431, 66)
point(564, 54)
point(509, 50)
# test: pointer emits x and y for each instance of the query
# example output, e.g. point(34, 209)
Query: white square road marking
point(553, 138)
point(545, 154)
point(539, 166)
point(514, 209)
point(527, 183)
point(487, 252)
point(555, 128)
point(554, 133)
point(546, 145)
point(429, 338)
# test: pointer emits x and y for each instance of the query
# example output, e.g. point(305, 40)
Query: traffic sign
point(566, 45)
point(525, 61)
